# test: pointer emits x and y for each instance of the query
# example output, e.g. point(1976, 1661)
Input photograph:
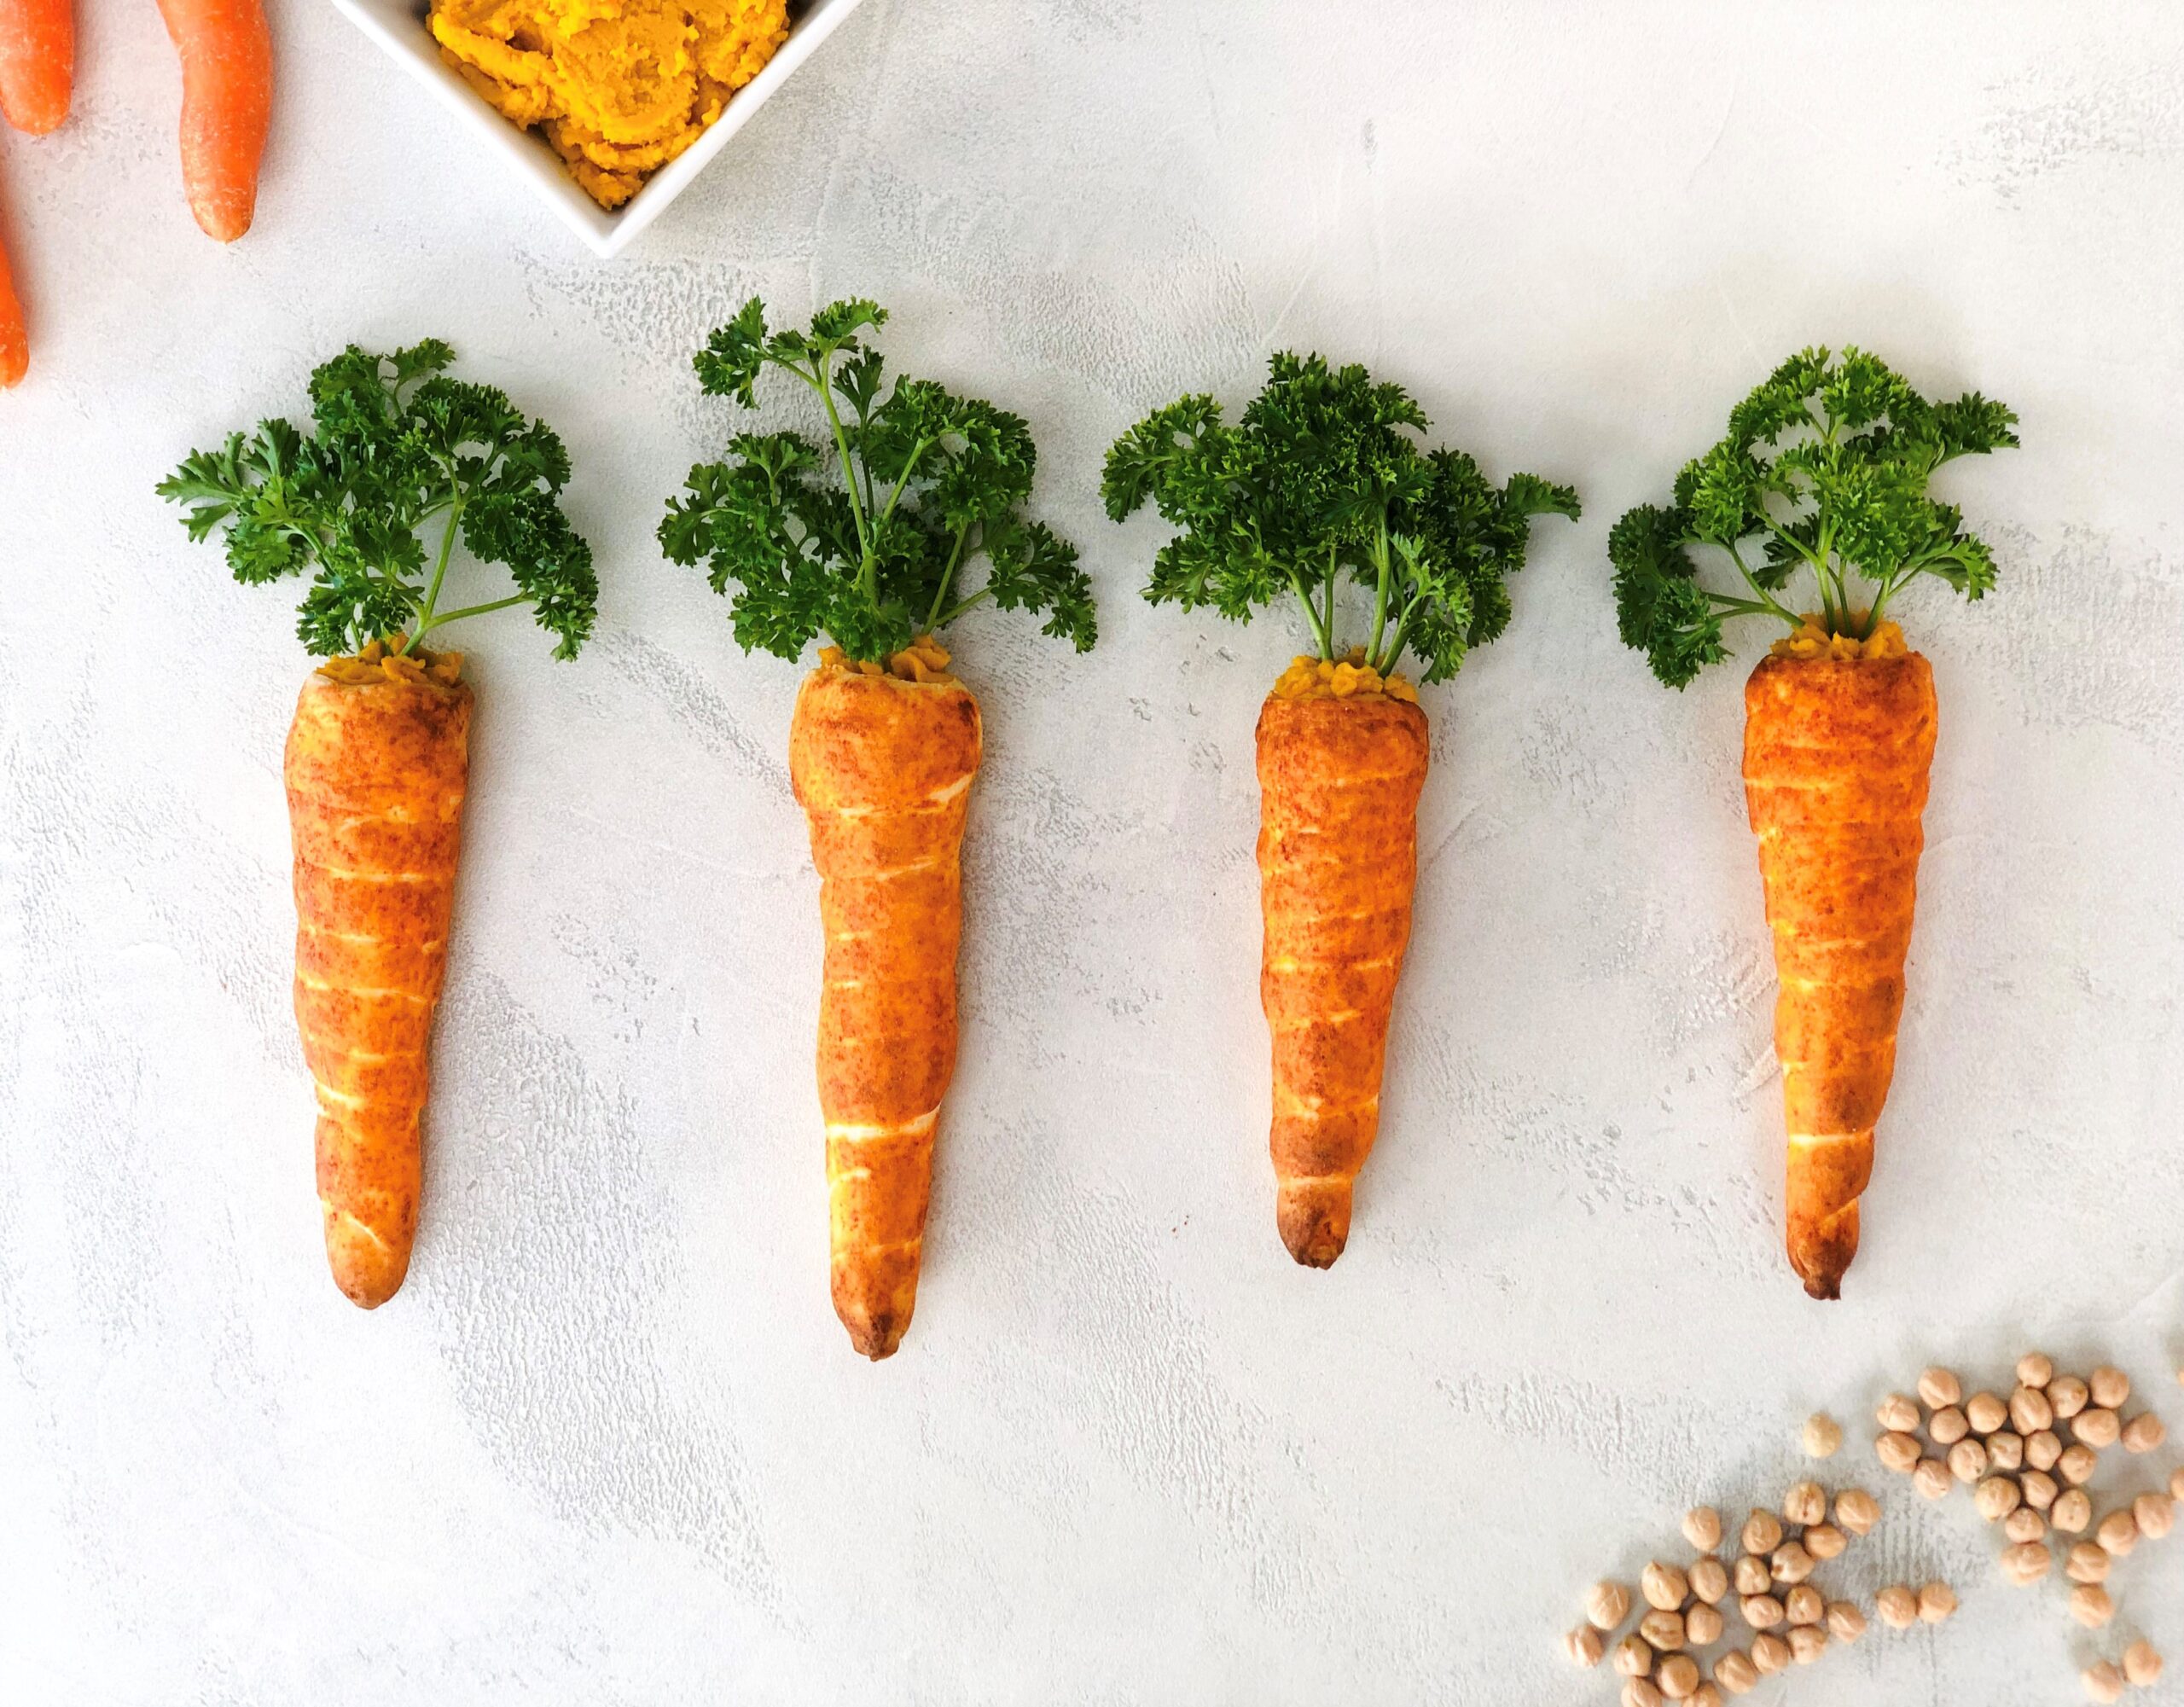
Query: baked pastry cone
point(882, 766)
point(1337, 850)
point(376, 766)
point(1836, 757)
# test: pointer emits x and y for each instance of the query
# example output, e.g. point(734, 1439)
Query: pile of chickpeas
point(2010, 1452)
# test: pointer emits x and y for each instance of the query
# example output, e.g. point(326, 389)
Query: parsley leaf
point(1825, 467)
point(1321, 477)
point(394, 442)
point(867, 546)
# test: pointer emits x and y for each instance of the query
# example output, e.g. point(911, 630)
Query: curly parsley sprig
point(871, 551)
point(1825, 467)
point(1321, 477)
point(395, 444)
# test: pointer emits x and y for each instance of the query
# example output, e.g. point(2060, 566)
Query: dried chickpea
point(2006, 1449)
point(1805, 1503)
point(1662, 1630)
point(2042, 1447)
point(1898, 1414)
point(1735, 1672)
point(1634, 1657)
point(2030, 1410)
point(1763, 1531)
point(1678, 1677)
point(2038, 1487)
point(2142, 1664)
point(1939, 1388)
point(2025, 1564)
point(2097, 1427)
point(2176, 1484)
point(1985, 1413)
point(1707, 1695)
point(1769, 1652)
point(1856, 1510)
point(1607, 1604)
point(2072, 1511)
point(1640, 1692)
point(1789, 1563)
point(1845, 1622)
point(1702, 1528)
point(2077, 1464)
point(1753, 1576)
point(1584, 1646)
point(2144, 1433)
point(1762, 1611)
point(1897, 1452)
point(1948, 1426)
point(2035, 1370)
point(1932, 1479)
point(2091, 1606)
point(1897, 1606)
point(2118, 1532)
point(2103, 1682)
point(2088, 1562)
point(1996, 1498)
point(1664, 1587)
point(1937, 1601)
point(1702, 1626)
point(1823, 1435)
point(2109, 1386)
point(2025, 1524)
point(1709, 1580)
point(1967, 1460)
point(2068, 1395)
point(1824, 1541)
point(2155, 1515)
point(1807, 1642)
point(1804, 1604)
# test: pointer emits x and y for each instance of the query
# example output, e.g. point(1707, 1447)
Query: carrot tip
point(1316, 1226)
point(368, 1270)
point(881, 1336)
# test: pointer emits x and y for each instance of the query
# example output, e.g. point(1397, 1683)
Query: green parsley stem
point(1311, 614)
point(934, 620)
point(963, 604)
point(1380, 588)
point(430, 623)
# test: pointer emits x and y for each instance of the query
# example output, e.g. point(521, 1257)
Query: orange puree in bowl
point(619, 87)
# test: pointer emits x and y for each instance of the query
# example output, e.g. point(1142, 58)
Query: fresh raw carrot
point(883, 765)
point(37, 61)
point(1339, 786)
point(15, 338)
point(377, 764)
point(1836, 757)
point(1322, 479)
point(868, 547)
point(227, 103)
point(377, 760)
point(1824, 468)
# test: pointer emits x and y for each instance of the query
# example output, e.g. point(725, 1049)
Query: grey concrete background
point(609, 1445)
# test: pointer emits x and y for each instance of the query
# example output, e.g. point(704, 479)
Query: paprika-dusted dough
point(1836, 757)
point(376, 768)
point(619, 87)
point(1339, 786)
point(883, 768)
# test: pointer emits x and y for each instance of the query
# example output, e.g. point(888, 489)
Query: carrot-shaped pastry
point(1825, 469)
point(378, 757)
point(865, 542)
point(1321, 481)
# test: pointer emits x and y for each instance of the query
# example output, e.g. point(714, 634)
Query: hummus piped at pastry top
point(619, 87)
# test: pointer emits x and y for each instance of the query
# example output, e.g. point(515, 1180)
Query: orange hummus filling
point(1814, 641)
point(924, 659)
point(1318, 678)
point(375, 663)
point(619, 87)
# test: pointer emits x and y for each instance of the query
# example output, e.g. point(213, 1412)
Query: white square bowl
point(399, 27)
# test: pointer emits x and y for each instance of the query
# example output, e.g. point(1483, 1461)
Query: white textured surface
point(609, 1445)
